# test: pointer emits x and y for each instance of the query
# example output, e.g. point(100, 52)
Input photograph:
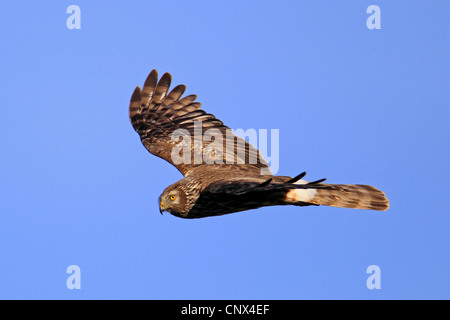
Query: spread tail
point(340, 195)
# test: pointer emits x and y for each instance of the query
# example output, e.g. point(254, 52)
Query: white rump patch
point(303, 195)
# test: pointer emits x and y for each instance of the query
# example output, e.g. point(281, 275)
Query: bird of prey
point(226, 175)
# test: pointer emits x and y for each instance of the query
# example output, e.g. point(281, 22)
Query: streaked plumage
point(234, 180)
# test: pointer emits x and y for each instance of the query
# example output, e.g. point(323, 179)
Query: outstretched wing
point(178, 131)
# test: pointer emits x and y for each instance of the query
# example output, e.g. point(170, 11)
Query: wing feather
point(155, 113)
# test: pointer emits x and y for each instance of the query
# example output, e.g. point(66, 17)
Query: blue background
point(353, 105)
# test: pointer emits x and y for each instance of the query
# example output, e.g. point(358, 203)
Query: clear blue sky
point(353, 105)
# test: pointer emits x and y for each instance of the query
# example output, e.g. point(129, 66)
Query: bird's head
point(174, 200)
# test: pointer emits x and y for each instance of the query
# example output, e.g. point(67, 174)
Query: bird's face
point(173, 201)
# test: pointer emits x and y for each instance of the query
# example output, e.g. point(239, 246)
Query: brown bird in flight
point(225, 174)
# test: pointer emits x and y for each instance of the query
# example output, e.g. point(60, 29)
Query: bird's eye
point(172, 197)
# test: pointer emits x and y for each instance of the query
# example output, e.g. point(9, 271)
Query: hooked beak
point(162, 207)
